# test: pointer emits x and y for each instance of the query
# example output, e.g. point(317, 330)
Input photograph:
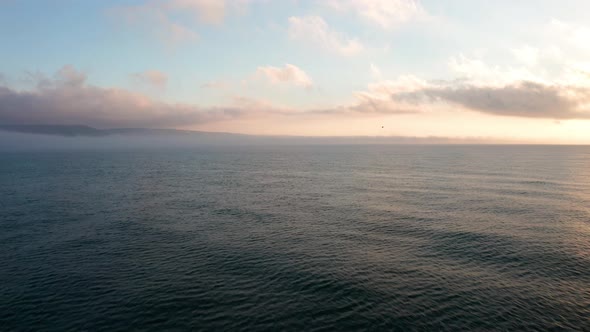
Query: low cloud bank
point(67, 99)
point(523, 99)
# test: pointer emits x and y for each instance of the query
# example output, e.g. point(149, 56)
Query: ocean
point(307, 238)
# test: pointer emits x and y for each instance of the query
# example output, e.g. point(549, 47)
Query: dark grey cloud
point(67, 99)
point(523, 99)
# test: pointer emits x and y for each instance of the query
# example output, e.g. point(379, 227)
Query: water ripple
point(296, 238)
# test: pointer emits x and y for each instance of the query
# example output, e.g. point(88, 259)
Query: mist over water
point(87, 138)
point(296, 238)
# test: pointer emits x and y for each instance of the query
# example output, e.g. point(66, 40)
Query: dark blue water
point(296, 238)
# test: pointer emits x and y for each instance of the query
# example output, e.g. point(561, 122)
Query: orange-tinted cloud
point(287, 74)
point(154, 78)
point(315, 31)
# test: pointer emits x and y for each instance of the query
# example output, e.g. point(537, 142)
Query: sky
point(447, 68)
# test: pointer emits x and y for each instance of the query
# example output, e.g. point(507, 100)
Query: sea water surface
point(312, 238)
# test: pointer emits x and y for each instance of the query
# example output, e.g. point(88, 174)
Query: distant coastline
point(83, 131)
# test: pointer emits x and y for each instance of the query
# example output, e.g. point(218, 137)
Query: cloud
point(153, 78)
point(560, 58)
point(69, 76)
point(575, 35)
point(174, 21)
point(386, 14)
point(557, 100)
point(314, 30)
point(287, 74)
point(378, 97)
point(376, 72)
point(478, 71)
point(206, 11)
point(68, 99)
point(471, 68)
point(527, 55)
point(522, 99)
point(66, 76)
point(539, 84)
point(155, 18)
point(216, 85)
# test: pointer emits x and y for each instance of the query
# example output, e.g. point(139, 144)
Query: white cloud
point(539, 83)
point(376, 72)
point(554, 61)
point(386, 14)
point(576, 35)
point(287, 74)
point(314, 30)
point(477, 71)
point(469, 67)
point(526, 55)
